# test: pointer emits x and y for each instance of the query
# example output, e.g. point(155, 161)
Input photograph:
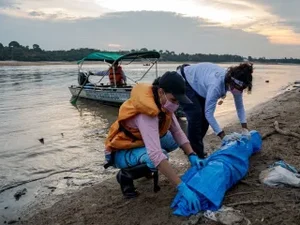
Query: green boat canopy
point(111, 57)
point(140, 55)
point(101, 56)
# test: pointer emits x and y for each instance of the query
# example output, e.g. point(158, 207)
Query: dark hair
point(161, 115)
point(242, 72)
point(156, 81)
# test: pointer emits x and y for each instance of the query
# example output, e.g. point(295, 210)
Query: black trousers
point(197, 123)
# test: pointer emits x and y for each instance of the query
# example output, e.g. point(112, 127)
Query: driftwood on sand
point(280, 131)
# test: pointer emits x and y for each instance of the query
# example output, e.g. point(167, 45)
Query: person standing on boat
point(114, 69)
point(206, 83)
point(146, 131)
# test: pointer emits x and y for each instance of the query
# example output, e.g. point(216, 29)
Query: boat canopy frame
point(113, 58)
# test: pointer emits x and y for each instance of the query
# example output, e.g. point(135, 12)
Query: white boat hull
point(108, 95)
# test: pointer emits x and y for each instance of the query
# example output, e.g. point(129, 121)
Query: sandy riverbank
point(103, 203)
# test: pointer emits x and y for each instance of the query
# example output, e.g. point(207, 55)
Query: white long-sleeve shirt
point(106, 73)
point(208, 80)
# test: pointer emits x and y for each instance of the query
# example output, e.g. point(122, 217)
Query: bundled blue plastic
point(221, 170)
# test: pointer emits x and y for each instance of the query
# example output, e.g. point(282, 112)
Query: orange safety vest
point(118, 74)
point(141, 101)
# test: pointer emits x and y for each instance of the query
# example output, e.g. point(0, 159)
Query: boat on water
point(111, 94)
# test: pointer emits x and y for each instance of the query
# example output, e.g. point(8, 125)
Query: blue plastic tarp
point(221, 170)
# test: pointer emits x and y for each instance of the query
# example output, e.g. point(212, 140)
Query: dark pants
point(197, 123)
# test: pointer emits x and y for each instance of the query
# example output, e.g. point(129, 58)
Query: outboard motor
point(82, 76)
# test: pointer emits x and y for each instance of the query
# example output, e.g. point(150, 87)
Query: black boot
point(126, 176)
point(126, 182)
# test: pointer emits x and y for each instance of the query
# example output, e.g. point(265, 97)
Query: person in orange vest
point(146, 130)
point(119, 75)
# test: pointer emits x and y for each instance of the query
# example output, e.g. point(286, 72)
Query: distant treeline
point(15, 51)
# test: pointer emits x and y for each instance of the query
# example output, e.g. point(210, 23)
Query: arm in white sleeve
point(102, 73)
point(239, 105)
point(210, 107)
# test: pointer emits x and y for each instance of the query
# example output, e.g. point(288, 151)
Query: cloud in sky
point(153, 30)
point(114, 45)
point(6, 4)
point(67, 9)
point(219, 25)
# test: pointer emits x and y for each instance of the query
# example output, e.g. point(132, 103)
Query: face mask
point(170, 106)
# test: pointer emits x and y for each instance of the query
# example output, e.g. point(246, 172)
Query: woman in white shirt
point(206, 83)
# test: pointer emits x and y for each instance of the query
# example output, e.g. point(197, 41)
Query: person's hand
point(221, 135)
point(189, 196)
point(195, 161)
point(245, 132)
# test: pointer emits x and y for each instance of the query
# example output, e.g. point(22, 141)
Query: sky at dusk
point(269, 28)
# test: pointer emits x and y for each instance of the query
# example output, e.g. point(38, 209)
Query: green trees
point(1, 51)
point(15, 51)
point(14, 44)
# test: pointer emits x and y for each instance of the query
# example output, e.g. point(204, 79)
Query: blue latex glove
point(190, 197)
point(195, 161)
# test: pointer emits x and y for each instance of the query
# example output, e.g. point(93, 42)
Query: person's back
point(202, 75)
point(206, 84)
point(117, 75)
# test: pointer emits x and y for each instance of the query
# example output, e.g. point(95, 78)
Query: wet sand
point(103, 203)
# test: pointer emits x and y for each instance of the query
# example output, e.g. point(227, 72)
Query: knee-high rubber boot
point(125, 180)
point(126, 176)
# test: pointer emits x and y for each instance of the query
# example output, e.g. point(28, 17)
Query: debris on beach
point(19, 193)
point(280, 131)
point(12, 221)
point(267, 81)
point(296, 84)
point(51, 188)
point(227, 216)
point(41, 140)
point(280, 174)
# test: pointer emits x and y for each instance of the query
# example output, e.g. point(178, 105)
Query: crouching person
point(146, 131)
